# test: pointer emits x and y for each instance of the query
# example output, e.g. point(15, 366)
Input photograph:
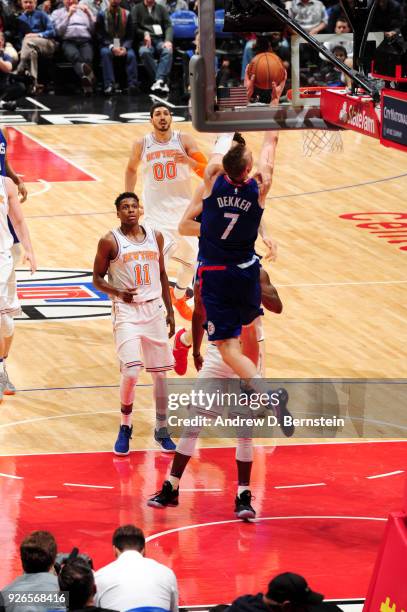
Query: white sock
point(184, 339)
point(242, 488)
point(125, 419)
point(1, 366)
point(174, 481)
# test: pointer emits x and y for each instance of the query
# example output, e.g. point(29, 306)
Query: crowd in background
point(125, 46)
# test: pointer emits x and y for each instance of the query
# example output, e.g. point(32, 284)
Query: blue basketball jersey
point(231, 217)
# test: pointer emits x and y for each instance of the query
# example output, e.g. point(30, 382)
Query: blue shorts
point(232, 298)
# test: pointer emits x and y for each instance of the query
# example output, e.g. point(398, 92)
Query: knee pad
point(244, 449)
point(6, 326)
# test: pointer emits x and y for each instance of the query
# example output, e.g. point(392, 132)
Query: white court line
point(315, 484)
point(156, 450)
point(11, 476)
point(206, 490)
point(46, 187)
point(36, 103)
point(61, 416)
point(86, 486)
point(356, 283)
point(263, 518)
point(46, 497)
point(387, 474)
point(69, 161)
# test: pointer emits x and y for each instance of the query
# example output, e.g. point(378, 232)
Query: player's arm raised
point(165, 286)
point(14, 177)
point(195, 159)
point(107, 250)
point(130, 178)
point(17, 219)
point(188, 226)
point(268, 151)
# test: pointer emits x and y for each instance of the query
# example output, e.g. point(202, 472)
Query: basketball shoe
point(122, 445)
point(180, 353)
point(181, 305)
point(281, 411)
point(166, 497)
point(163, 439)
point(243, 507)
point(8, 387)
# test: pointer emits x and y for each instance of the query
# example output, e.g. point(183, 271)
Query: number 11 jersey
point(166, 184)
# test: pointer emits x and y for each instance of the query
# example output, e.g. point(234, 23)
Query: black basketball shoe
point(282, 411)
point(166, 497)
point(243, 508)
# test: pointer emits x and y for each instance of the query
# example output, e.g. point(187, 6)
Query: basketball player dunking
point(7, 170)
point(10, 207)
point(229, 270)
point(167, 157)
point(132, 256)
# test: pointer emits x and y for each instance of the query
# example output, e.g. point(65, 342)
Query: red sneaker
point(181, 305)
point(180, 352)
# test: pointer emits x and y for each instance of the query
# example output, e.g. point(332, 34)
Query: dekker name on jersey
point(235, 202)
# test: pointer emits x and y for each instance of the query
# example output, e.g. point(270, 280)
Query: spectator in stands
point(114, 29)
point(174, 5)
point(8, 26)
point(154, 28)
point(133, 580)
point(341, 27)
point(288, 592)
point(76, 578)
point(36, 37)
point(96, 5)
point(310, 14)
point(387, 17)
point(74, 24)
point(37, 553)
point(10, 90)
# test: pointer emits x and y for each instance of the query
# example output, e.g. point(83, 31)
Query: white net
point(315, 142)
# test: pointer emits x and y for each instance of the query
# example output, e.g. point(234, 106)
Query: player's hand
point(249, 83)
point(127, 295)
point(198, 362)
point(22, 191)
point(271, 245)
point(277, 90)
point(29, 258)
point(171, 322)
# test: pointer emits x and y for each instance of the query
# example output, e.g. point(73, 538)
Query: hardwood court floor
point(343, 287)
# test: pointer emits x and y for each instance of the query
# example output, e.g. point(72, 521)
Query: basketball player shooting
point(132, 256)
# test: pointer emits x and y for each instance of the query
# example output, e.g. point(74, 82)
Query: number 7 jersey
point(136, 266)
point(231, 216)
point(166, 184)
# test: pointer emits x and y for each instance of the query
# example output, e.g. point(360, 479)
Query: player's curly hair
point(124, 196)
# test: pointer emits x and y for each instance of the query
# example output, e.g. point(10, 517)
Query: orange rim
point(310, 92)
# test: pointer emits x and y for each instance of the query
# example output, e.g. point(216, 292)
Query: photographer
point(10, 89)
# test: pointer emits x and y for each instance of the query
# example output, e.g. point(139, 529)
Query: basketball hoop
point(316, 142)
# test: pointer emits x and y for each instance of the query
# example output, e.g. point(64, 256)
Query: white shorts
point(183, 249)
point(9, 303)
point(141, 336)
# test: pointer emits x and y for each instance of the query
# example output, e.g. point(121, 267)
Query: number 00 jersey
point(166, 184)
point(137, 266)
point(6, 239)
point(230, 221)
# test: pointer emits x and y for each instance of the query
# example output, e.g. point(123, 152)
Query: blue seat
point(219, 21)
point(185, 24)
point(147, 609)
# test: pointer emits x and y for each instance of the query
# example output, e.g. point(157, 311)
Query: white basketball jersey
point(6, 239)
point(166, 184)
point(137, 266)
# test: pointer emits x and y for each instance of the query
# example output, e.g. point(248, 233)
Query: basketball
point(266, 68)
